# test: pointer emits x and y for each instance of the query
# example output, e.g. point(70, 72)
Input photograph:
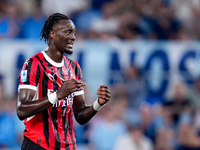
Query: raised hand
point(70, 86)
point(104, 94)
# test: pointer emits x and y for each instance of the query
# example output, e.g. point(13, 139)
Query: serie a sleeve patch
point(24, 76)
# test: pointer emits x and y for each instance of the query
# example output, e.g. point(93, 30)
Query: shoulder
point(69, 59)
point(35, 58)
point(72, 62)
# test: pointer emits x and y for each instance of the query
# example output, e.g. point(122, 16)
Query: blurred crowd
point(105, 19)
point(134, 120)
point(130, 121)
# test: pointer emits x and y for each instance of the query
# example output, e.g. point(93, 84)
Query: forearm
point(26, 109)
point(85, 115)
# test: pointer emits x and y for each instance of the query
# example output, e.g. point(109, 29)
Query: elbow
point(20, 115)
point(80, 119)
point(81, 123)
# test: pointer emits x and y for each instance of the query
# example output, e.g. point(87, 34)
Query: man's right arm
point(26, 107)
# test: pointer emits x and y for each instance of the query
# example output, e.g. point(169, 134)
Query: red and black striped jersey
point(53, 127)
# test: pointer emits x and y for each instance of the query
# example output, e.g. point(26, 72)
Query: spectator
point(150, 120)
point(27, 7)
point(185, 9)
point(194, 94)
point(188, 137)
point(10, 127)
point(178, 104)
point(135, 86)
point(96, 4)
point(109, 128)
point(165, 139)
point(66, 7)
point(129, 27)
point(166, 25)
point(107, 23)
point(134, 140)
point(33, 24)
point(9, 20)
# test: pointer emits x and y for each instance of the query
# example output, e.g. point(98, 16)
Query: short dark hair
point(49, 23)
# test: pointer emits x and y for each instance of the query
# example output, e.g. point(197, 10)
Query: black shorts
point(27, 144)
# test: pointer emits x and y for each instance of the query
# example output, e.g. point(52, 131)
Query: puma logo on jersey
point(51, 76)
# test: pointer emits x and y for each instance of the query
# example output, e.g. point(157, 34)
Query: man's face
point(64, 36)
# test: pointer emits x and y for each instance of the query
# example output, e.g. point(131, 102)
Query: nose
point(73, 36)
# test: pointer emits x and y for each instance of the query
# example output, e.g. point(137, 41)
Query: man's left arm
point(84, 113)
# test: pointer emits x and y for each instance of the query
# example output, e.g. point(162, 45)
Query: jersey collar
point(51, 61)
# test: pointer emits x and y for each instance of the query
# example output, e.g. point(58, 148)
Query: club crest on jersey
point(24, 76)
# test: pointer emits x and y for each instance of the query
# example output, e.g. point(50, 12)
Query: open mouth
point(70, 45)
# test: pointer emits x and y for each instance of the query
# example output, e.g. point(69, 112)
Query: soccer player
point(51, 90)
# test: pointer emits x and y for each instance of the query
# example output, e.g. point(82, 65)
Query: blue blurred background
point(147, 51)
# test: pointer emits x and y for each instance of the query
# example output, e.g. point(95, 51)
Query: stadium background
point(147, 51)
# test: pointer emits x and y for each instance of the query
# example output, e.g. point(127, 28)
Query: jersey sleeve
point(29, 75)
point(79, 72)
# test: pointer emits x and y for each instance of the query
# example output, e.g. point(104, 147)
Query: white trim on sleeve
point(78, 93)
point(32, 87)
point(29, 118)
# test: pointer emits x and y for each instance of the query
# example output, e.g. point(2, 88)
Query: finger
point(101, 93)
point(104, 95)
point(79, 82)
point(103, 86)
point(79, 89)
point(104, 98)
point(103, 90)
point(80, 85)
point(71, 78)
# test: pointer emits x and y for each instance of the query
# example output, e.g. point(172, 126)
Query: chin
point(68, 52)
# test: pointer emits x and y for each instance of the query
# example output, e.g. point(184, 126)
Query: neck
point(54, 54)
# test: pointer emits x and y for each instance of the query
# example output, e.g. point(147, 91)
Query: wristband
point(52, 97)
point(97, 106)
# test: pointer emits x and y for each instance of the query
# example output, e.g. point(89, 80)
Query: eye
point(68, 32)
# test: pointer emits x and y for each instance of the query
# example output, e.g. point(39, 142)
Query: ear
point(52, 34)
